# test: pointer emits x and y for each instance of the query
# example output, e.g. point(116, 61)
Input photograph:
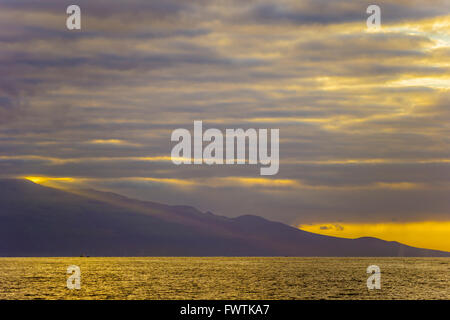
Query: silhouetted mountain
point(41, 221)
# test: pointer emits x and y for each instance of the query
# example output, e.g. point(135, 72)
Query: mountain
point(42, 221)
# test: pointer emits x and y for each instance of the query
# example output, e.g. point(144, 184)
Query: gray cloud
point(359, 143)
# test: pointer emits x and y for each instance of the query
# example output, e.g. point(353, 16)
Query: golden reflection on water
point(224, 278)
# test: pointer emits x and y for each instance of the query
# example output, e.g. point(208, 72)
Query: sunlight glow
point(422, 234)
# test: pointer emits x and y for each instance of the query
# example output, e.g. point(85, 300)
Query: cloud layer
point(363, 116)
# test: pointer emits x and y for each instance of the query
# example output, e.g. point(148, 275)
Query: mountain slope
point(41, 221)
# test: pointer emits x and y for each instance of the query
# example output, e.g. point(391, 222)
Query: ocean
point(224, 278)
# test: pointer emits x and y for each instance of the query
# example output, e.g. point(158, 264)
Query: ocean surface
point(224, 278)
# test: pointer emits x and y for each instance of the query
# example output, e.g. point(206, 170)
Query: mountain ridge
point(41, 221)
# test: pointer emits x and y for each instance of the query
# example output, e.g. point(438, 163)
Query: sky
point(363, 115)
